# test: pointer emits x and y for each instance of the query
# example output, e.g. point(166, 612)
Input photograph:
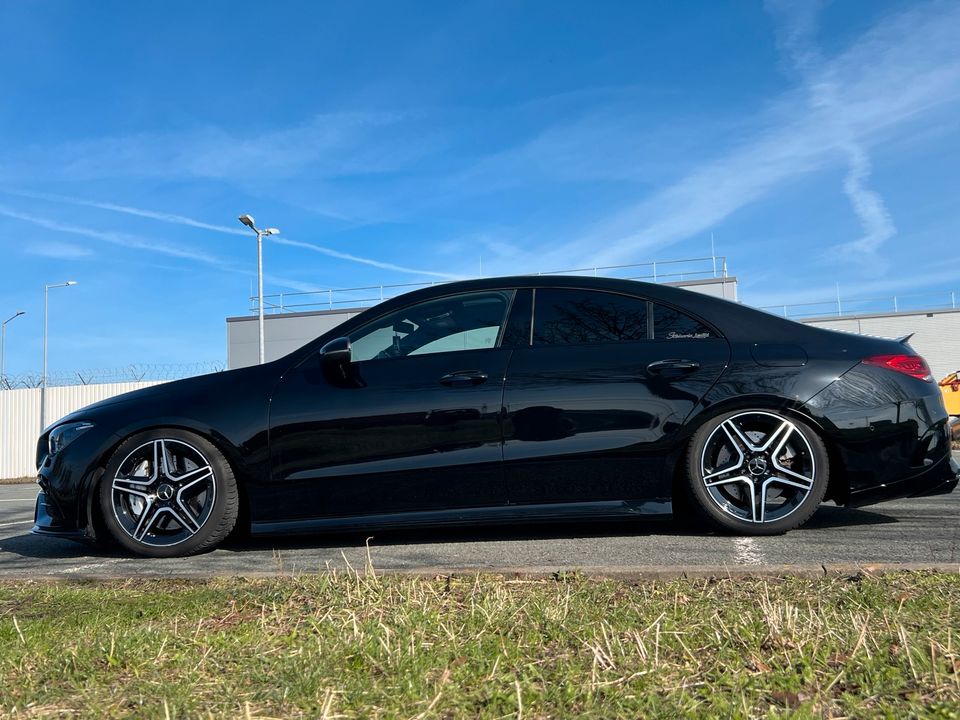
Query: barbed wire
point(130, 373)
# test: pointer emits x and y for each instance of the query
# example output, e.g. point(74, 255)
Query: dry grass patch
point(357, 645)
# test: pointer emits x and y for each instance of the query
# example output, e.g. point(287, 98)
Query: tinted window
point(670, 324)
point(460, 322)
point(579, 317)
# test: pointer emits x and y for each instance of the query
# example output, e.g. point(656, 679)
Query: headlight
point(63, 435)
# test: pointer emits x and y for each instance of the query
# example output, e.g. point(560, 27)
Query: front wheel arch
point(113, 506)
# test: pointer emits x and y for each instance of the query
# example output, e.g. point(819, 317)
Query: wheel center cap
point(757, 466)
point(165, 492)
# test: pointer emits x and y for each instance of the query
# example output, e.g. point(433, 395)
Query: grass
point(358, 645)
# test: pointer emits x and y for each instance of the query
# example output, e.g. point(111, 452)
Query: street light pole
point(3, 344)
point(43, 379)
point(249, 222)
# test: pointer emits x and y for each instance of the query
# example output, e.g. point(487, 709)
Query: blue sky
point(401, 142)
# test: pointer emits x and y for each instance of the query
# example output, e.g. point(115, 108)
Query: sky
point(818, 145)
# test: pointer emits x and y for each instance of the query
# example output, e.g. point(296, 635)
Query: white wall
point(20, 419)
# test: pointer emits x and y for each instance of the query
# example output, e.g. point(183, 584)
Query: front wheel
point(168, 493)
point(756, 472)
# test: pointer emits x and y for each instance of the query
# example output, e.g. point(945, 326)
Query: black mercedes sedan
point(512, 399)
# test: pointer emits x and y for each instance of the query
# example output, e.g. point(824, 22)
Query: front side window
point(583, 317)
point(460, 322)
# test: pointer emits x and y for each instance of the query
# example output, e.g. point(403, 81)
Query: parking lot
point(922, 531)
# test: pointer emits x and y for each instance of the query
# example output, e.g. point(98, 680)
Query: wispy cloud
point(329, 145)
point(114, 238)
point(57, 250)
point(191, 222)
point(907, 66)
point(797, 26)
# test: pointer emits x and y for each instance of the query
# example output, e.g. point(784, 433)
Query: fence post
point(785, 311)
point(330, 297)
point(895, 308)
point(281, 302)
point(953, 299)
point(654, 270)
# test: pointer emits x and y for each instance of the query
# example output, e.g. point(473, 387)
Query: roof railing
point(844, 307)
point(333, 298)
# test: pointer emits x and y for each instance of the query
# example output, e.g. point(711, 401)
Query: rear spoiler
point(905, 339)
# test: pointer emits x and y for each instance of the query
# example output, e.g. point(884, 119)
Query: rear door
point(598, 391)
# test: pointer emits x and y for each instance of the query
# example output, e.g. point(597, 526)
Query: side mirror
point(335, 358)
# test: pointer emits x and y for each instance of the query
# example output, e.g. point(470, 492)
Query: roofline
point(513, 280)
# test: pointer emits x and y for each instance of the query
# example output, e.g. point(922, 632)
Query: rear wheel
point(756, 472)
point(168, 493)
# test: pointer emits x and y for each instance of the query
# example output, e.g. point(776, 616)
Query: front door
point(415, 428)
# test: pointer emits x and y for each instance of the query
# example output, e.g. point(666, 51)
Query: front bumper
point(48, 520)
point(939, 479)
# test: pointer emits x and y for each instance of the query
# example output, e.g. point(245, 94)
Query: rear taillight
point(912, 365)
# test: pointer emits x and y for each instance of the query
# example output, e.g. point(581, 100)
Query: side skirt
point(607, 510)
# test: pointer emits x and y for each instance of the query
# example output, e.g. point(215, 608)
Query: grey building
point(936, 333)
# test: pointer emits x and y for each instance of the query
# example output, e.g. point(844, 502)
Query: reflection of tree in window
point(671, 324)
point(583, 317)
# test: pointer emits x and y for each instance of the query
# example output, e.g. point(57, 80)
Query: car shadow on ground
point(826, 517)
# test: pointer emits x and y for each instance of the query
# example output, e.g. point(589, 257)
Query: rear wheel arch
point(837, 487)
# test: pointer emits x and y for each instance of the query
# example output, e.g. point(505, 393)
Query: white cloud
point(57, 250)
point(190, 222)
point(907, 66)
point(114, 238)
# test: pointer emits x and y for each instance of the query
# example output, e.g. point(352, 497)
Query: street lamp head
point(19, 313)
point(248, 221)
point(70, 282)
point(271, 231)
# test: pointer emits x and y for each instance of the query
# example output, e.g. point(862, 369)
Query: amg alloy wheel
point(757, 472)
point(168, 493)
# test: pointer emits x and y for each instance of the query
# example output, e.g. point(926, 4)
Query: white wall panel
point(20, 419)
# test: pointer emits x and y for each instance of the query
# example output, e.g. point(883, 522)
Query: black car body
point(581, 400)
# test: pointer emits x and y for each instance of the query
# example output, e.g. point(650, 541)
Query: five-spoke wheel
point(757, 471)
point(167, 493)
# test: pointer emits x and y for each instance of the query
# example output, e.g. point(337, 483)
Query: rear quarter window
point(672, 324)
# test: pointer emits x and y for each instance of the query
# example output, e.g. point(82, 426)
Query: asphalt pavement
point(912, 532)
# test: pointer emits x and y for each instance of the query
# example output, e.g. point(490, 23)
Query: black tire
point(740, 490)
point(168, 493)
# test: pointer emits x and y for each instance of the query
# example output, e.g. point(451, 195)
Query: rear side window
point(583, 317)
point(671, 324)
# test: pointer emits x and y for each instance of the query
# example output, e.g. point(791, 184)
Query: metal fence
point(125, 374)
point(20, 419)
point(841, 307)
point(330, 299)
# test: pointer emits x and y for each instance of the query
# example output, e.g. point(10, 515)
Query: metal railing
point(842, 307)
point(333, 298)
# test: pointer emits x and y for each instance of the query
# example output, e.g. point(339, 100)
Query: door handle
point(464, 378)
point(680, 367)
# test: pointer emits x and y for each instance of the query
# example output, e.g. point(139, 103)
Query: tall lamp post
point(43, 379)
point(249, 222)
point(3, 344)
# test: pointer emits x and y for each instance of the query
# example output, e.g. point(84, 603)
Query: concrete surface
point(922, 532)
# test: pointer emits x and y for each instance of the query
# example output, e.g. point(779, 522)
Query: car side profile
point(513, 399)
